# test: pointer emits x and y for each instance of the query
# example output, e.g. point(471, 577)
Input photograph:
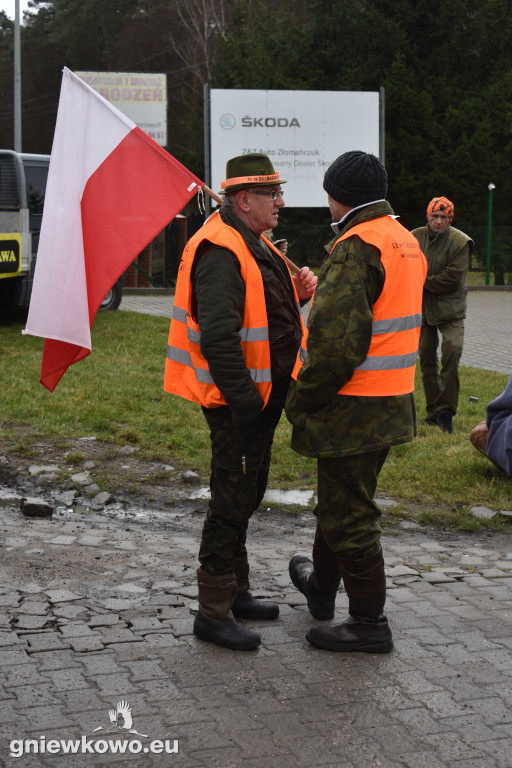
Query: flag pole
point(218, 200)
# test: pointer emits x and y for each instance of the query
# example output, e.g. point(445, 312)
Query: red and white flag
point(111, 189)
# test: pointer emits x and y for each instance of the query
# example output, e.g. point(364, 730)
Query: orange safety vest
point(186, 369)
point(389, 367)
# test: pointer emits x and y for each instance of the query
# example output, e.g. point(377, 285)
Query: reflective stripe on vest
point(389, 367)
point(246, 334)
point(186, 370)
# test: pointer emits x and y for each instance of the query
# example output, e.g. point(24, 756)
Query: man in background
point(448, 253)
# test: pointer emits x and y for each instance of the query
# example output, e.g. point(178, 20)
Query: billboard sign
point(301, 131)
point(141, 97)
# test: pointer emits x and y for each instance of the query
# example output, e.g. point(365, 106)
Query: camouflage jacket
point(448, 255)
point(326, 424)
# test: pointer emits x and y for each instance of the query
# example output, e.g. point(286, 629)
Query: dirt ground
point(122, 484)
point(123, 492)
point(51, 464)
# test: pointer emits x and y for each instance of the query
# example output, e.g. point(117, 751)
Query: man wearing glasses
point(233, 341)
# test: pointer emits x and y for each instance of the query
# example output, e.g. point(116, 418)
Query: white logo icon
point(120, 720)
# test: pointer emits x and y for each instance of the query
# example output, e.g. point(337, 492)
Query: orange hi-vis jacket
point(186, 369)
point(389, 367)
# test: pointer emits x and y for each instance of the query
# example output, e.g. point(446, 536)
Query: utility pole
point(17, 78)
point(490, 187)
point(206, 138)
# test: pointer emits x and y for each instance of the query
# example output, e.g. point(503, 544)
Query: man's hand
point(305, 283)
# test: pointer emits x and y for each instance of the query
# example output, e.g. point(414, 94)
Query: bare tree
point(203, 22)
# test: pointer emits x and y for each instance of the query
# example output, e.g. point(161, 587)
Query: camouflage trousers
point(346, 511)
point(441, 386)
point(239, 473)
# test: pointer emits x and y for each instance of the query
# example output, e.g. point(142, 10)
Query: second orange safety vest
point(186, 369)
point(389, 367)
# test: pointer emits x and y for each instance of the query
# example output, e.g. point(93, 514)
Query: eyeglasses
point(273, 193)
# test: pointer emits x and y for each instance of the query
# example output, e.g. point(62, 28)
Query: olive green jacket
point(218, 302)
point(448, 255)
point(326, 424)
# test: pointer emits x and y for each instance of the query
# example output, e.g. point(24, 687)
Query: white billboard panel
point(140, 96)
point(301, 131)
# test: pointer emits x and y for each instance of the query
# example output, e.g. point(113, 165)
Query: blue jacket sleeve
point(499, 425)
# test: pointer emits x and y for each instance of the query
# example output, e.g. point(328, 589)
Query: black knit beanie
point(356, 178)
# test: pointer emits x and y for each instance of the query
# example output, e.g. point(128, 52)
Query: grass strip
point(117, 395)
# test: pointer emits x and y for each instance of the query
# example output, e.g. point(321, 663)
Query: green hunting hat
point(251, 170)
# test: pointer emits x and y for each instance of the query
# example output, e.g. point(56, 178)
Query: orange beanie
point(441, 204)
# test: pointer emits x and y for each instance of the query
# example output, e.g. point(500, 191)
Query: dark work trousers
point(441, 386)
point(346, 511)
point(238, 481)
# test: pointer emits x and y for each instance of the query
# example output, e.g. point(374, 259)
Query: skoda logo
point(227, 122)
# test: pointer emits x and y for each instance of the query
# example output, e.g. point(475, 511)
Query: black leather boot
point(214, 622)
point(444, 421)
point(319, 579)
point(245, 605)
point(367, 629)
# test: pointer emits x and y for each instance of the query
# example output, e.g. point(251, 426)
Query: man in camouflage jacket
point(349, 435)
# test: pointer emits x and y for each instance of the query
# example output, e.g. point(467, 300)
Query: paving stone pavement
point(96, 610)
point(96, 643)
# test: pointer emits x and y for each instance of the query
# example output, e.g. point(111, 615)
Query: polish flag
point(111, 189)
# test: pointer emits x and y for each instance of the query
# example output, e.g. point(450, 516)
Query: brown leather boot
point(214, 622)
point(319, 579)
point(367, 629)
point(245, 605)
